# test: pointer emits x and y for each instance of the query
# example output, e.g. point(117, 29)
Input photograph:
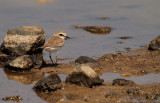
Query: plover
point(54, 44)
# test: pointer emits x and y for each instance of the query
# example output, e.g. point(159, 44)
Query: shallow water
point(21, 83)
point(12, 85)
point(145, 79)
point(136, 18)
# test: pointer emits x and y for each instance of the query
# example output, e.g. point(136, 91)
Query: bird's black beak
point(66, 37)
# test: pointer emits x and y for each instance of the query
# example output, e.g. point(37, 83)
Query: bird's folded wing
point(53, 42)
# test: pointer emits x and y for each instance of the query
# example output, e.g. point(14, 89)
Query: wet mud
point(121, 89)
point(134, 63)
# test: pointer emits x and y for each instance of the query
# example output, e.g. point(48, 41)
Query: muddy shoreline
point(137, 62)
point(133, 63)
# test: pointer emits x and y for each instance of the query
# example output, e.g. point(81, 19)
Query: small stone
point(122, 82)
point(13, 98)
point(144, 71)
point(84, 75)
point(155, 44)
point(49, 83)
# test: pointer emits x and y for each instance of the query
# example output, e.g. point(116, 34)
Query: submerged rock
point(155, 44)
point(49, 83)
point(22, 47)
point(122, 82)
point(95, 29)
point(84, 75)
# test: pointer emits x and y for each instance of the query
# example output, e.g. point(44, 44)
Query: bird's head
point(62, 35)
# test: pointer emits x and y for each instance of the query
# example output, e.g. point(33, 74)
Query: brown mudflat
point(138, 62)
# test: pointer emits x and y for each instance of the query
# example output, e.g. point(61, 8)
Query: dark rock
point(23, 40)
point(37, 59)
point(155, 44)
point(84, 75)
point(50, 83)
point(122, 82)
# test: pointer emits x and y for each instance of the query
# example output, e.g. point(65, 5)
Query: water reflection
point(51, 97)
point(44, 1)
point(26, 77)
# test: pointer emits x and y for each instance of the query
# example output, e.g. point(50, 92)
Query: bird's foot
point(55, 64)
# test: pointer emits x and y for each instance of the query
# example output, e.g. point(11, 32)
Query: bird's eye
point(61, 34)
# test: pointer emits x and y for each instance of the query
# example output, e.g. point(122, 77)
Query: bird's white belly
point(52, 49)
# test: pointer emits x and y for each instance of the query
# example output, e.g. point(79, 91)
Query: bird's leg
point(56, 57)
point(51, 58)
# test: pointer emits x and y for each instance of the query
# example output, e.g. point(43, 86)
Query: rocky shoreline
point(82, 83)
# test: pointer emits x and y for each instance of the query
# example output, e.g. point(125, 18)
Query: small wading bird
point(54, 44)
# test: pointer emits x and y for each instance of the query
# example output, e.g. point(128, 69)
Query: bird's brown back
point(54, 41)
